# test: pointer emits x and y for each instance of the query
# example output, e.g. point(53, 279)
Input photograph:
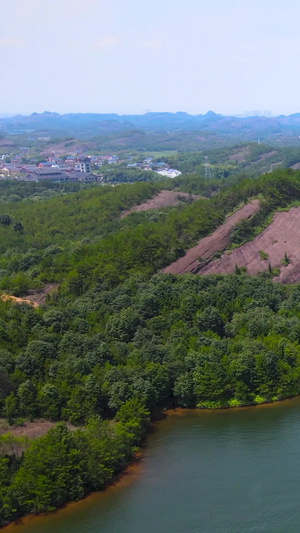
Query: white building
point(85, 165)
point(171, 173)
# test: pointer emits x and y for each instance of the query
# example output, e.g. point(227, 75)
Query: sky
point(135, 56)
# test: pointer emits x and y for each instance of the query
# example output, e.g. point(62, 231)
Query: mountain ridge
point(162, 123)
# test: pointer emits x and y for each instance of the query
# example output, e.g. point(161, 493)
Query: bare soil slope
point(162, 199)
point(196, 257)
point(280, 237)
point(28, 429)
point(9, 297)
point(36, 299)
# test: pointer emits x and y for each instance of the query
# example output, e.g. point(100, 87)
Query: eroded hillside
point(203, 252)
point(278, 247)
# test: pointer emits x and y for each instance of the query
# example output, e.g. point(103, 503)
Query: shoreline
point(122, 479)
point(181, 410)
point(134, 469)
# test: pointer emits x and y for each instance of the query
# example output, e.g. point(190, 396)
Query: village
point(73, 168)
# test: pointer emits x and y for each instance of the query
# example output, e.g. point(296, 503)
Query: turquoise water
point(234, 471)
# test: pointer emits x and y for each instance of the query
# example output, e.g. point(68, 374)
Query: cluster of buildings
point(74, 169)
point(82, 163)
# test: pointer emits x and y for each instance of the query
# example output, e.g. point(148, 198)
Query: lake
point(231, 471)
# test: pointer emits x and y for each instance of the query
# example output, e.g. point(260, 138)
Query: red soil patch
point(196, 257)
point(162, 199)
point(9, 297)
point(36, 298)
point(280, 237)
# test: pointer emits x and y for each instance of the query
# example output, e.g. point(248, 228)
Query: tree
point(135, 417)
point(5, 480)
point(42, 350)
point(50, 474)
point(27, 394)
point(210, 319)
point(184, 390)
point(18, 227)
point(124, 325)
point(5, 220)
point(49, 402)
point(11, 407)
point(85, 401)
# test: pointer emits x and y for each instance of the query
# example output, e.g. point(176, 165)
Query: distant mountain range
point(112, 121)
point(92, 124)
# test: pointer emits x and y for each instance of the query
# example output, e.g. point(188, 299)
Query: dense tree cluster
point(148, 340)
point(65, 465)
point(121, 174)
point(16, 191)
point(41, 237)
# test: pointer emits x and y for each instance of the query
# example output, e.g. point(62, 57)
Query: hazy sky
point(132, 56)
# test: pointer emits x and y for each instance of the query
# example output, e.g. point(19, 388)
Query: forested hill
point(80, 241)
point(120, 339)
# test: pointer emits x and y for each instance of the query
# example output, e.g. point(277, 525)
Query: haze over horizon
point(249, 113)
point(105, 56)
